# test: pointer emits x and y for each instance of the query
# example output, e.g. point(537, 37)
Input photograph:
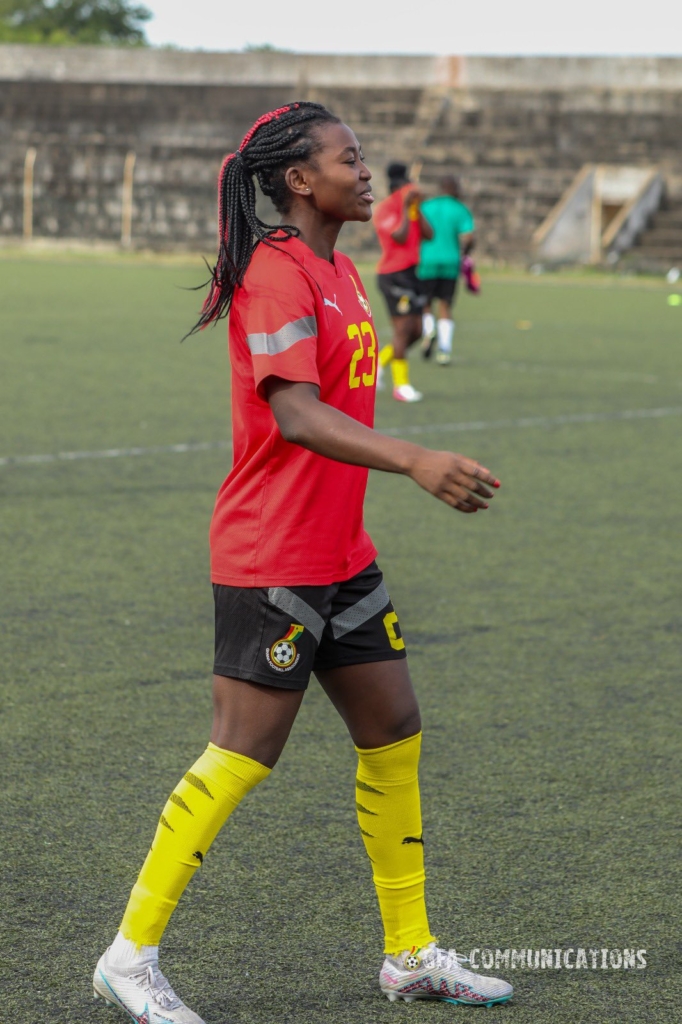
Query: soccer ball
point(412, 962)
point(283, 653)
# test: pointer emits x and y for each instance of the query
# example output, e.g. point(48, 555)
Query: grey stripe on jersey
point(284, 338)
point(358, 613)
point(295, 606)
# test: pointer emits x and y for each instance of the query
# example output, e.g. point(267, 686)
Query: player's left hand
point(455, 479)
point(413, 195)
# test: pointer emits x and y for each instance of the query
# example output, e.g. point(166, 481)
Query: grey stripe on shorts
point(271, 344)
point(358, 613)
point(293, 605)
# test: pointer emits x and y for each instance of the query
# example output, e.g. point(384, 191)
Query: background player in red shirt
point(401, 227)
point(296, 586)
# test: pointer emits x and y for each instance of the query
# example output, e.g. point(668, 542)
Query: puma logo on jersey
point(328, 302)
point(413, 839)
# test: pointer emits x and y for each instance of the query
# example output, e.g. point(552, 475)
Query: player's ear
point(296, 181)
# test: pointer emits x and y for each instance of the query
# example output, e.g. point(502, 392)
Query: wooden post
point(127, 200)
point(29, 163)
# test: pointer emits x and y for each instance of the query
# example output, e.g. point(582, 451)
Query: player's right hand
point(458, 481)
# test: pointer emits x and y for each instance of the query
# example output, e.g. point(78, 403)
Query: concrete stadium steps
point(508, 203)
point(514, 130)
point(132, 114)
point(660, 246)
point(180, 135)
point(554, 129)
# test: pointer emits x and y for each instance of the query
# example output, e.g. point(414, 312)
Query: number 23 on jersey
point(366, 347)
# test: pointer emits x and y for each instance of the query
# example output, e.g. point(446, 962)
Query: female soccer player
point(440, 259)
point(296, 586)
point(401, 226)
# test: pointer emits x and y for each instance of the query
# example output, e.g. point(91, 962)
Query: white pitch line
point(418, 428)
point(114, 453)
point(537, 421)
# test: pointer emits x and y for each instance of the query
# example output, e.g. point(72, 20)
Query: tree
point(73, 21)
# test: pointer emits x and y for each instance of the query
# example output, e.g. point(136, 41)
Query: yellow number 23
point(364, 331)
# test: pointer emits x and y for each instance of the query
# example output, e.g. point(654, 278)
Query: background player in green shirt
point(439, 264)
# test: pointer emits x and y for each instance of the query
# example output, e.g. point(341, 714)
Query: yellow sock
point(389, 813)
point(401, 372)
point(195, 812)
point(385, 355)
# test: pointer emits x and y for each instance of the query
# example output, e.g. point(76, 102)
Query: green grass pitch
point(544, 638)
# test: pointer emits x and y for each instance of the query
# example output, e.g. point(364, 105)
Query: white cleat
point(406, 393)
point(443, 358)
point(142, 992)
point(433, 973)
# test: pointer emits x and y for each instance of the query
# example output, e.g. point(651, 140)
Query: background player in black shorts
point(401, 227)
point(439, 264)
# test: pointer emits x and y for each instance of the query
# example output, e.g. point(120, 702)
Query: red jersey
point(286, 516)
point(387, 218)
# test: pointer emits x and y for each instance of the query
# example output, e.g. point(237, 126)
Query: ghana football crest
point(413, 960)
point(283, 655)
point(361, 298)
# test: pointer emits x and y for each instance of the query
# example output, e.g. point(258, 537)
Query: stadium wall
point(516, 130)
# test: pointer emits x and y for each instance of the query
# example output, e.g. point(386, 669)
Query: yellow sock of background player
point(399, 367)
point(401, 372)
point(389, 813)
point(385, 355)
point(195, 812)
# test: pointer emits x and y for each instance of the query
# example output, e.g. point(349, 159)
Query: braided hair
point(275, 141)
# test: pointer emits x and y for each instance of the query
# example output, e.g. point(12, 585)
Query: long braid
point(275, 141)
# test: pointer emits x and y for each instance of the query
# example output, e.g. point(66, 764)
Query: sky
point(422, 26)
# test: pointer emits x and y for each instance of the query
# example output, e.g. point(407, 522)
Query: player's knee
point(264, 748)
point(403, 726)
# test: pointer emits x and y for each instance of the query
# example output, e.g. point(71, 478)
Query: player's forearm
point(400, 234)
point(304, 420)
point(326, 431)
point(467, 243)
point(425, 227)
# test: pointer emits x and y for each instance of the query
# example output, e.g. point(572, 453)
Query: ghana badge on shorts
point(361, 298)
point(283, 655)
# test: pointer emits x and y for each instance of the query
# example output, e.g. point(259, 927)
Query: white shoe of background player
point(406, 393)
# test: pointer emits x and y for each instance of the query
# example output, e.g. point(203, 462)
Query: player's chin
point(361, 211)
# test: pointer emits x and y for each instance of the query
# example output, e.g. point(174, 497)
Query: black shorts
point(279, 635)
point(404, 292)
point(439, 288)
